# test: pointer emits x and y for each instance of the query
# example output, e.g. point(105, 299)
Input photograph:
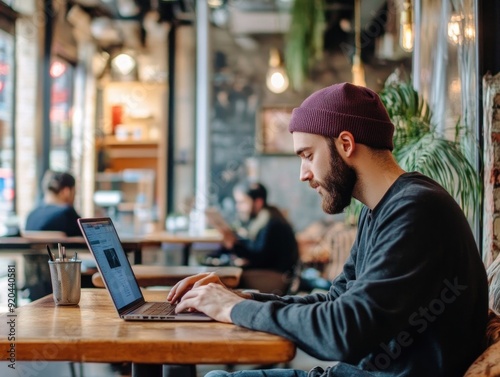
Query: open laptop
point(112, 262)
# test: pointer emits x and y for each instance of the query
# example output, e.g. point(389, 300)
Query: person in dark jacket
point(57, 212)
point(412, 299)
point(265, 241)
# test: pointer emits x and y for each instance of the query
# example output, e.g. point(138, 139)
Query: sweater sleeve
point(392, 281)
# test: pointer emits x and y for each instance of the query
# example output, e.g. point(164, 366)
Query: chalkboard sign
point(232, 137)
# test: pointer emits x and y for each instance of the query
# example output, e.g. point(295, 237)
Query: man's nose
point(305, 173)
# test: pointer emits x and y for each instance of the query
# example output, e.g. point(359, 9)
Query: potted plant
point(304, 40)
point(419, 146)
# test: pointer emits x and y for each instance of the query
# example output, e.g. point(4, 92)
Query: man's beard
point(338, 184)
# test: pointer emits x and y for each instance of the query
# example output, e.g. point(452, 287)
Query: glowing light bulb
point(406, 28)
point(123, 63)
point(277, 80)
point(469, 28)
point(454, 28)
point(276, 77)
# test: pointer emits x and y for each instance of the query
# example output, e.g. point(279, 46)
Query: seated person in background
point(266, 240)
point(57, 212)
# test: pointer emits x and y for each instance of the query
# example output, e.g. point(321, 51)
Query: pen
point(60, 251)
point(51, 256)
point(63, 248)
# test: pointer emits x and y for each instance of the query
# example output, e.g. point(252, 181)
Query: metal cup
point(66, 281)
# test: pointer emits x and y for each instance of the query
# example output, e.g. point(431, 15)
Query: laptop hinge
point(131, 309)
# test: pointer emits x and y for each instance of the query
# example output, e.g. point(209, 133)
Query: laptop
point(112, 262)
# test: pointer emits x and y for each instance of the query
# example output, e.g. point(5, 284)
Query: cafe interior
point(160, 107)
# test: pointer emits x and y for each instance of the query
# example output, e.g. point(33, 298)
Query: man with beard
point(412, 297)
point(264, 245)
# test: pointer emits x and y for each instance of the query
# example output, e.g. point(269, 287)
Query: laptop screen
point(112, 261)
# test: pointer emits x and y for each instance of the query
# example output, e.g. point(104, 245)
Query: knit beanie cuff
point(371, 132)
point(345, 107)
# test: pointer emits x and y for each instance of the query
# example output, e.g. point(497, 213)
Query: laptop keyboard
point(164, 308)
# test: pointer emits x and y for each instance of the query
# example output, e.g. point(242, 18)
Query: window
point(61, 107)
point(6, 126)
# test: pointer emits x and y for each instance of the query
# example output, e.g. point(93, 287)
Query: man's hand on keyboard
point(183, 286)
point(215, 300)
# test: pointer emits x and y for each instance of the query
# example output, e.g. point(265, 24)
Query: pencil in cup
point(66, 281)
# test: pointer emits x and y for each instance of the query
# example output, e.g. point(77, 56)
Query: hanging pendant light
point(358, 71)
point(406, 27)
point(276, 77)
point(123, 63)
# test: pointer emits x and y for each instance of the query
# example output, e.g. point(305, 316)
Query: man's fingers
point(183, 286)
point(210, 278)
point(187, 302)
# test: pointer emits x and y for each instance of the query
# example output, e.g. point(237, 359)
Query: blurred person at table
point(264, 245)
point(57, 212)
point(412, 298)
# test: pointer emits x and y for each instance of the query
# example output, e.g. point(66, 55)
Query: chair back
point(42, 234)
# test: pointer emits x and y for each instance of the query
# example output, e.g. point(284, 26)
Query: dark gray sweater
point(411, 300)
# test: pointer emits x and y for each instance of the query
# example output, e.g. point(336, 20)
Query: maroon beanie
point(345, 107)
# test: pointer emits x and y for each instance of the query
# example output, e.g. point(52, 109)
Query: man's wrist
point(244, 294)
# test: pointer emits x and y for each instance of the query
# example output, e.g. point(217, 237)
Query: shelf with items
point(128, 197)
point(133, 110)
point(132, 125)
point(111, 141)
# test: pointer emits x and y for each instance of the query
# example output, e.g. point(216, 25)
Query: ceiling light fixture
point(276, 77)
point(215, 3)
point(461, 28)
point(454, 28)
point(123, 64)
point(57, 69)
point(406, 27)
point(469, 28)
point(358, 71)
point(127, 8)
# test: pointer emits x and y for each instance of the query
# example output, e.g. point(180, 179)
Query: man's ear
point(346, 143)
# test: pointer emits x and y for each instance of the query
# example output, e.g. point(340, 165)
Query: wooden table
point(92, 332)
point(169, 275)
point(184, 238)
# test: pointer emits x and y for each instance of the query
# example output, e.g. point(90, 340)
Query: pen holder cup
point(66, 281)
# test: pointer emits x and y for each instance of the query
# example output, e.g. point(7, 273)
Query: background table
point(93, 332)
point(148, 276)
point(184, 238)
point(30, 244)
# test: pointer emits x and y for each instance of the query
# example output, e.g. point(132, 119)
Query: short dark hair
point(254, 190)
point(56, 181)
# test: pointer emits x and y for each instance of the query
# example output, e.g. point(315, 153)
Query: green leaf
point(419, 147)
point(304, 40)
